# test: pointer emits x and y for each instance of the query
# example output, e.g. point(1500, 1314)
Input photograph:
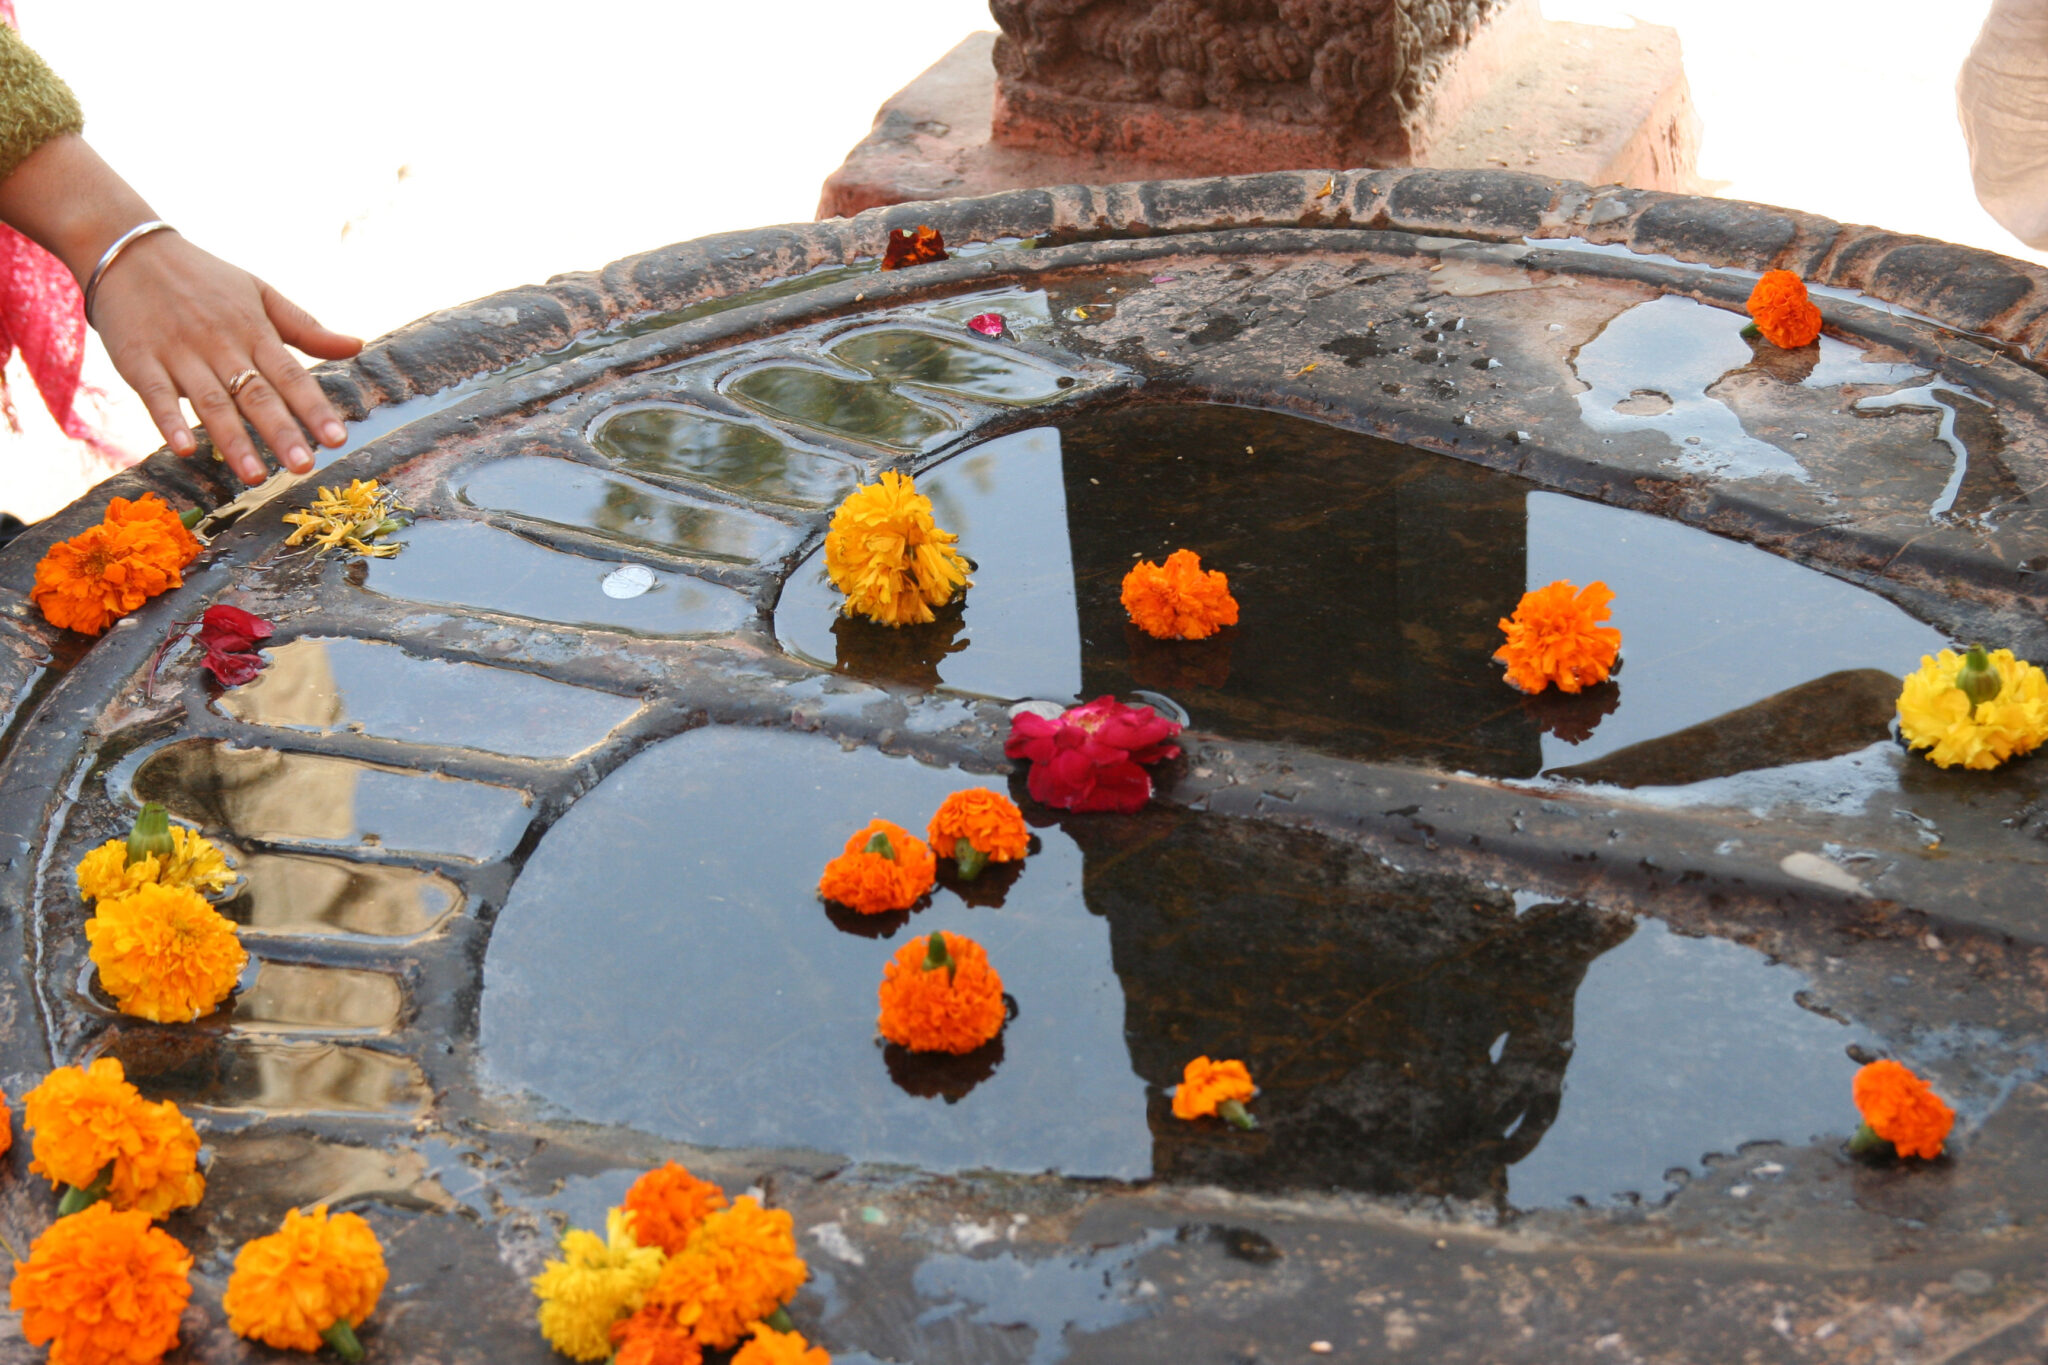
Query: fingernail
point(182, 442)
point(252, 470)
point(299, 459)
point(334, 433)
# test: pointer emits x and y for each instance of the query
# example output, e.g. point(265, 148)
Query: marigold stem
point(1234, 1112)
point(878, 842)
point(936, 956)
point(150, 834)
point(969, 859)
point(342, 1337)
point(1977, 679)
point(1865, 1139)
point(779, 1320)
point(77, 1200)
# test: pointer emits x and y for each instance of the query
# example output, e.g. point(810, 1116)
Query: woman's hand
point(177, 321)
point(180, 322)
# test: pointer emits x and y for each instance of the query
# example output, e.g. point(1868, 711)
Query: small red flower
point(1093, 757)
point(988, 324)
point(229, 636)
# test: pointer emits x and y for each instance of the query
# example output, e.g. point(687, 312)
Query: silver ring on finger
point(241, 381)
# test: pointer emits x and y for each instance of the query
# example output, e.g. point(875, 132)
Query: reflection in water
point(942, 1075)
point(862, 409)
point(1373, 578)
point(330, 684)
point(1642, 1097)
point(688, 446)
point(1018, 635)
point(913, 357)
point(565, 493)
point(280, 1077)
point(907, 655)
point(284, 893)
point(469, 564)
point(672, 1021)
point(1692, 652)
point(263, 794)
point(288, 998)
point(1409, 1032)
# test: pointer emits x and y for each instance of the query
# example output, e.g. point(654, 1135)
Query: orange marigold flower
point(1900, 1108)
point(313, 1272)
point(90, 581)
point(918, 246)
point(667, 1204)
point(940, 995)
point(84, 1121)
point(6, 1128)
point(164, 954)
point(1783, 313)
point(870, 880)
point(103, 1287)
point(649, 1338)
point(770, 1347)
point(989, 821)
point(737, 1269)
point(1205, 1086)
point(1555, 637)
point(1179, 600)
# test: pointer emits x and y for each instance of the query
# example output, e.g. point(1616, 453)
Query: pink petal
point(988, 324)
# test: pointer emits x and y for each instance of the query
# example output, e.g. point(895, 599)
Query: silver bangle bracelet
point(113, 253)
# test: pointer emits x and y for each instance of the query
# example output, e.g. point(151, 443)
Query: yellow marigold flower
point(737, 1269)
point(103, 1287)
point(667, 1204)
point(164, 954)
point(889, 557)
point(595, 1284)
point(194, 863)
point(770, 1347)
point(348, 519)
point(1936, 715)
point(1555, 637)
point(292, 1287)
point(85, 1121)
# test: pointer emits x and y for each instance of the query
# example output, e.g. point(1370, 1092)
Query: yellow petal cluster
point(595, 1284)
point(1935, 715)
point(194, 863)
point(889, 557)
point(164, 954)
point(348, 519)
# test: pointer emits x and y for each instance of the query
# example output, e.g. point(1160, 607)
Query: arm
point(2002, 103)
point(177, 321)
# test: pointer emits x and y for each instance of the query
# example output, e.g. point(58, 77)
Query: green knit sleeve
point(34, 105)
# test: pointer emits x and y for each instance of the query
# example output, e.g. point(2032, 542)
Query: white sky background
point(537, 139)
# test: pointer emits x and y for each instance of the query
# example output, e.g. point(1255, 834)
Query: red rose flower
point(1093, 756)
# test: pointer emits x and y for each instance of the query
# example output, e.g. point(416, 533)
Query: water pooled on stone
point(907, 356)
point(471, 565)
point(303, 998)
point(684, 445)
point(1371, 578)
point(859, 409)
point(1410, 1032)
point(324, 684)
point(564, 493)
point(290, 893)
point(267, 795)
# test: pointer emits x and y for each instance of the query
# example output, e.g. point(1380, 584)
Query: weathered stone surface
point(1912, 909)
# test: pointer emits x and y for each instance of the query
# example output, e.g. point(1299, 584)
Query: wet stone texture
point(1554, 1001)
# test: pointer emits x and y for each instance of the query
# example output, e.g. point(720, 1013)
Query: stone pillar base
point(1602, 105)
